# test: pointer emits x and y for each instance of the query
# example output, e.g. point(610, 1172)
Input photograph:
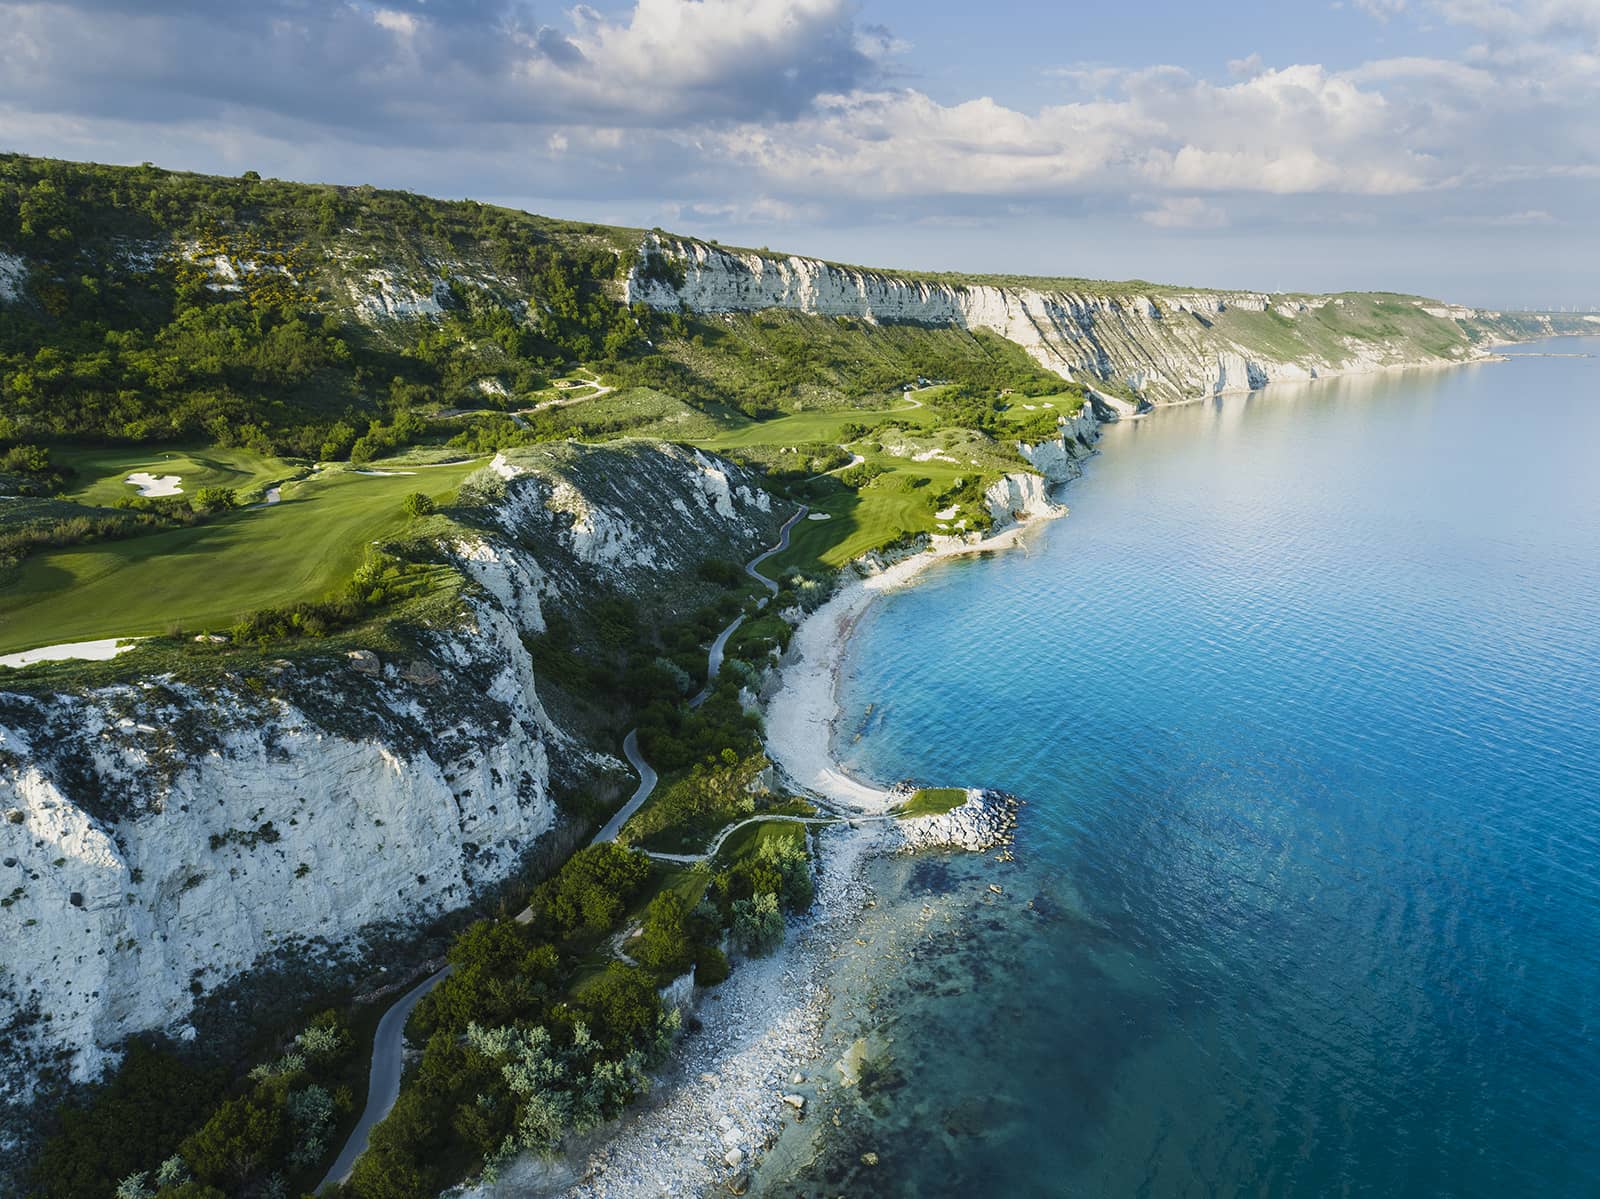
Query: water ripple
point(1304, 695)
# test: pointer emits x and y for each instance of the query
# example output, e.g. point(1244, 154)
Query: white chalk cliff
point(160, 839)
point(1162, 345)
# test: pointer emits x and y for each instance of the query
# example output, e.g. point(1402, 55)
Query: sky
point(1444, 147)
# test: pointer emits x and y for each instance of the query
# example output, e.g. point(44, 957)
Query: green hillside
point(237, 333)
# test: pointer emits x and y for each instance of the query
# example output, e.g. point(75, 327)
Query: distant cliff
point(1138, 342)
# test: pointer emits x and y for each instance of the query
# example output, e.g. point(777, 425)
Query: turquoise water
point(1305, 700)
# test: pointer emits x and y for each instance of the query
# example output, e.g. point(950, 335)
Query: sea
point(1303, 700)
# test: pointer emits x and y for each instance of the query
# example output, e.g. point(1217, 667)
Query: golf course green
point(301, 548)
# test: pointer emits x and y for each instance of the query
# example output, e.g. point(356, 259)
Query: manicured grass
point(859, 521)
point(688, 883)
point(802, 427)
point(932, 801)
point(207, 576)
point(1022, 410)
point(99, 475)
point(745, 842)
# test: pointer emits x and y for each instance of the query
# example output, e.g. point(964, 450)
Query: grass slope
point(99, 476)
point(209, 575)
point(932, 801)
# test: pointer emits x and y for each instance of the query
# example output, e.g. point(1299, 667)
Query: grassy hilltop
point(244, 334)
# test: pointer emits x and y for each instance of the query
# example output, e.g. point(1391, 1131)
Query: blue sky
point(1439, 146)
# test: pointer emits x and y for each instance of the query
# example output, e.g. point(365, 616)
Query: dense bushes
point(778, 867)
point(672, 939)
point(166, 1126)
point(519, 1051)
point(501, 973)
point(589, 893)
point(689, 807)
point(160, 348)
point(677, 738)
point(132, 1123)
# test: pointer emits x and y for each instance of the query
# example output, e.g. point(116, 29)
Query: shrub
point(215, 499)
point(622, 1006)
point(417, 505)
point(758, 924)
point(244, 1134)
point(500, 975)
point(710, 966)
point(139, 1116)
point(590, 892)
point(664, 945)
point(788, 856)
point(721, 572)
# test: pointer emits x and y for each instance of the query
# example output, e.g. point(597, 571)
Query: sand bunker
point(155, 485)
point(91, 651)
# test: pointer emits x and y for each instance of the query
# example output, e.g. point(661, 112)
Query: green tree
point(664, 944)
point(416, 505)
point(622, 1007)
point(244, 1135)
point(758, 924)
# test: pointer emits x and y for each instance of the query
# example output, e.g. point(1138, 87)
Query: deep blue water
point(1305, 700)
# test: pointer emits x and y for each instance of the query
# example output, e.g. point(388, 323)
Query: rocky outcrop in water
point(985, 820)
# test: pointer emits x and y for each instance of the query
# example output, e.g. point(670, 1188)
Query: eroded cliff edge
point(1142, 342)
point(162, 837)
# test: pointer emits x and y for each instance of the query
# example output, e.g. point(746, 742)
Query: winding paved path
point(783, 544)
point(388, 1043)
point(714, 660)
point(647, 784)
point(691, 859)
point(383, 1088)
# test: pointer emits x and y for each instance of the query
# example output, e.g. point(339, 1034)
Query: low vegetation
point(932, 801)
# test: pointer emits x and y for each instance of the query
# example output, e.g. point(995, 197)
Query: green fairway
point(100, 476)
point(207, 576)
point(802, 427)
point(1023, 410)
point(864, 520)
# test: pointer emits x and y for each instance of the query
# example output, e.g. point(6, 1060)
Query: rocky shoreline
point(747, 1070)
point(988, 819)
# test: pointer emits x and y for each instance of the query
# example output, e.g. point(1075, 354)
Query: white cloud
point(1531, 20)
point(1383, 10)
point(771, 112)
point(1283, 132)
point(402, 24)
point(1187, 212)
point(1529, 216)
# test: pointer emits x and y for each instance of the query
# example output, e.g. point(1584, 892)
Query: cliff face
point(160, 839)
point(1059, 460)
point(1160, 345)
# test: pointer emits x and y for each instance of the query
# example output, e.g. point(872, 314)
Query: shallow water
point(1305, 700)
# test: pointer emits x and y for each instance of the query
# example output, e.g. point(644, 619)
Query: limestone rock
point(422, 672)
point(985, 820)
